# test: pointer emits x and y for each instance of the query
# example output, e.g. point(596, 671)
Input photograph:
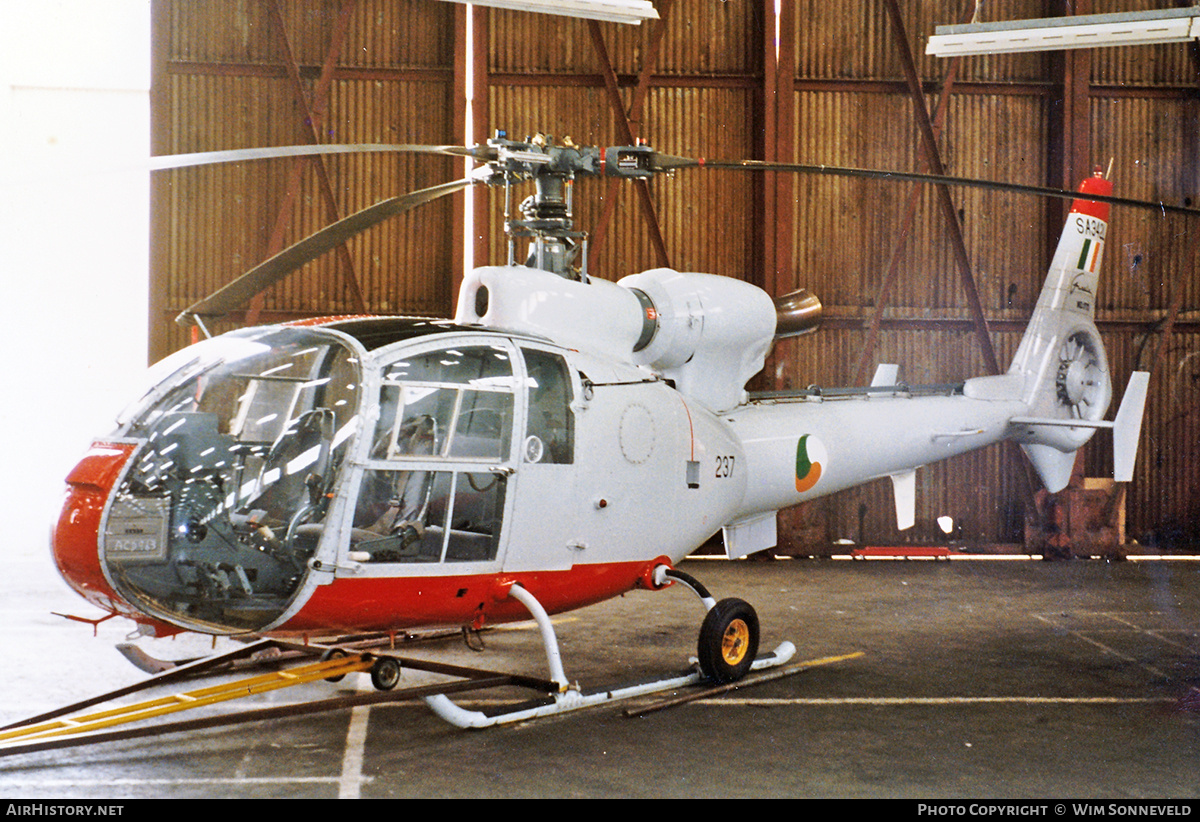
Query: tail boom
point(1053, 397)
point(804, 448)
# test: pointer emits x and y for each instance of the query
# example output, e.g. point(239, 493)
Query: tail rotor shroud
point(1080, 382)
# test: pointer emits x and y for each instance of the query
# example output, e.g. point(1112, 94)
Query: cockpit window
point(550, 427)
point(427, 516)
point(454, 403)
point(226, 500)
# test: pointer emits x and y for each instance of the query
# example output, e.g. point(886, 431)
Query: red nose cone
point(75, 544)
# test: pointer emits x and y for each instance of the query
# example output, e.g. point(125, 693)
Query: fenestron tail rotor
point(1080, 381)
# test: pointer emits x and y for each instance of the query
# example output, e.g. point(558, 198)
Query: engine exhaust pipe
point(796, 313)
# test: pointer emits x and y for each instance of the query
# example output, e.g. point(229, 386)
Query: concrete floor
point(996, 679)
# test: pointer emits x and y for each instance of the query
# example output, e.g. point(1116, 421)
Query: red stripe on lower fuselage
point(399, 603)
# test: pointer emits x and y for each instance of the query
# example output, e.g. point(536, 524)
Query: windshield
point(224, 505)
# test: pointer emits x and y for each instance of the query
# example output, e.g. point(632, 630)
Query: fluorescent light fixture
point(614, 11)
point(1053, 33)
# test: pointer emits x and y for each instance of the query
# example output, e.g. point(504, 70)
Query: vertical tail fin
point(1061, 362)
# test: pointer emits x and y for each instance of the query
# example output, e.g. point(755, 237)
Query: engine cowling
point(708, 334)
point(713, 332)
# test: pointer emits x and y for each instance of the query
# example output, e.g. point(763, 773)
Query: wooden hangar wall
point(822, 83)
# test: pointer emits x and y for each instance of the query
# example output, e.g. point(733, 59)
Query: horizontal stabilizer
point(1058, 422)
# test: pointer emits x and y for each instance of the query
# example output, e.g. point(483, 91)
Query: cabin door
point(544, 530)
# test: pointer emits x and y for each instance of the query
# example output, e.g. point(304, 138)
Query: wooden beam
point(779, 45)
point(950, 215)
point(1068, 149)
point(625, 132)
point(482, 117)
point(1158, 359)
point(889, 278)
point(159, 340)
point(1077, 132)
point(314, 113)
point(458, 127)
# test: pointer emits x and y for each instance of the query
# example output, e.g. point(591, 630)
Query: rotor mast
point(546, 217)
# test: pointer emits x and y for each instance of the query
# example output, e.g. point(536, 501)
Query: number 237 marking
point(724, 467)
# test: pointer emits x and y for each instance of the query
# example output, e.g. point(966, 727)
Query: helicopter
point(562, 440)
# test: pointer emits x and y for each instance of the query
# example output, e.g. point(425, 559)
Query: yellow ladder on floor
point(329, 669)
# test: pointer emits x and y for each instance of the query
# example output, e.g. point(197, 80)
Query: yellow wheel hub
point(735, 641)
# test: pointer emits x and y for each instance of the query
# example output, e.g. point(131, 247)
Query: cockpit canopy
point(248, 470)
point(243, 438)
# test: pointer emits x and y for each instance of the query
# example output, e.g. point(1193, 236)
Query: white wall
point(74, 237)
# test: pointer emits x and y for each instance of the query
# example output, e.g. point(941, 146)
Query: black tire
point(385, 673)
point(331, 654)
point(728, 640)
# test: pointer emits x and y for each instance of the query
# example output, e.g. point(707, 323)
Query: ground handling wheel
point(728, 640)
point(333, 653)
point(385, 673)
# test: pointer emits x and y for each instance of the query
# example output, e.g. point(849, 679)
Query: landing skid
point(573, 699)
point(722, 647)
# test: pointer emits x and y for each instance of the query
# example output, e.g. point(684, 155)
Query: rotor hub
point(1072, 381)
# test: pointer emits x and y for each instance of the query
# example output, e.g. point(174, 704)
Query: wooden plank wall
point(226, 76)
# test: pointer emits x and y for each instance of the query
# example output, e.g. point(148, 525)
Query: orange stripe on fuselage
point(74, 543)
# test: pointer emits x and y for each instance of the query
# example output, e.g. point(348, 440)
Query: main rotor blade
point(666, 162)
point(238, 155)
point(310, 248)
